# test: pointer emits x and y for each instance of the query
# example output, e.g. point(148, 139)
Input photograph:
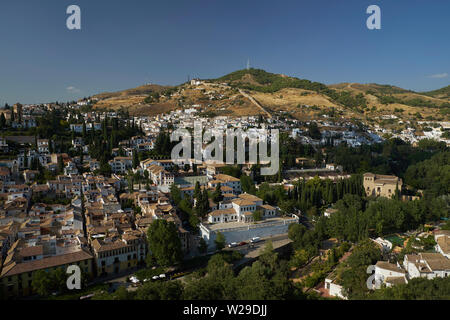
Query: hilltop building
point(381, 185)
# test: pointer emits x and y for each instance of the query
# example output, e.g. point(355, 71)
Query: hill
point(443, 93)
point(371, 88)
point(135, 100)
point(255, 91)
point(141, 90)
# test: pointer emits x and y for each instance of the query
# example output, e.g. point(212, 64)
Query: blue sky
point(124, 44)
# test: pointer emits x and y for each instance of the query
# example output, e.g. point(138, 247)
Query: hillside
point(142, 90)
point(134, 100)
point(371, 88)
point(443, 93)
point(255, 91)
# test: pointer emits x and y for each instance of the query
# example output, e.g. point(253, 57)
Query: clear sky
point(124, 44)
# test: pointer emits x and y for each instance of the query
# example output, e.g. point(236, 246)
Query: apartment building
point(121, 164)
point(116, 256)
point(160, 176)
point(43, 145)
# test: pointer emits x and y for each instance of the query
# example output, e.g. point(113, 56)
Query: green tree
point(354, 275)
point(299, 258)
point(135, 159)
point(220, 241)
point(2, 121)
point(60, 165)
point(313, 131)
point(217, 195)
point(257, 215)
point(197, 191)
point(175, 193)
point(247, 184)
point(164, 243)
point(202, 246)
point(42, 283)
point(160, 290)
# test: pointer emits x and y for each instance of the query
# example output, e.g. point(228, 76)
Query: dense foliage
point(358, 218)
point(265, 279)
point(164, 243)
point(269, 82)
point(416, 289)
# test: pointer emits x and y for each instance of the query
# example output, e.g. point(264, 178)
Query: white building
point(389, 274)
point(241, 209)
point(442, 238)
point(386, 245)
point(226, 180)
point(121, 164)
point(160, 176)
point(43, 145)
point(334, 289)
point(426, 265)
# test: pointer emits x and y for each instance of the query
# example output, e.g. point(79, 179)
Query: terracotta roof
point(101, 247)
point(444, 244)
point(216, 213)
point(395, 280)
point(389, 266)
point(436, 261)
point(226, 178)
point(31, 251)
point(267, 207)
point(50, 262)
point(243, 202)
point(249, 196)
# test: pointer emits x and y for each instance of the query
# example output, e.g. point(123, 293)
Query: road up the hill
point(256, 103)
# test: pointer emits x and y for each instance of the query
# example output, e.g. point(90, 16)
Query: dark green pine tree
point(135, 159)
point(197, 191)
point(2, 121)
point(217, 195)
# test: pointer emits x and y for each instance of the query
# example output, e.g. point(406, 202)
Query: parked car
point(243, 243)
point(155, 277)
point(134, 280)
point(232, 245)
point(162, 276)
point(255, 240)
